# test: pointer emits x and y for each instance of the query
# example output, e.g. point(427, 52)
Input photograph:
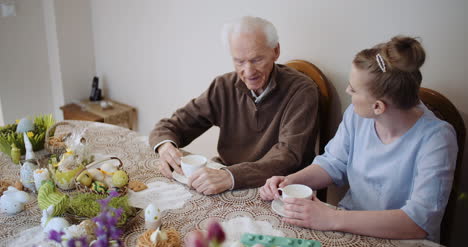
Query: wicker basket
point(56, 144)
point(83, 188)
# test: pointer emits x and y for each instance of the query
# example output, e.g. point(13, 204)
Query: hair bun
point(404, 53)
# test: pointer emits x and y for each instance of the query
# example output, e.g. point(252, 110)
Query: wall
point(24, 72)
point(46, 57)
point(76, 47)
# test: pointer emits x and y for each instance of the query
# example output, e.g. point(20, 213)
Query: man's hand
point(269, 191)
point(210, 181)
point(170, 157)
point(312, 214)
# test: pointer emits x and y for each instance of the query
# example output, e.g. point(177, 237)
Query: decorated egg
point(99, 187)
point(85, 178)
point(152, 217)
point(96, 174)
point(40, 175)
point(108, 181)
point(119, 179)
point(108, 168)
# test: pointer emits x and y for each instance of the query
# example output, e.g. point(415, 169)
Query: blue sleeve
point(434, 169)
point(336, 155)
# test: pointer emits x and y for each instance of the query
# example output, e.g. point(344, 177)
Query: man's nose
point(250, 68)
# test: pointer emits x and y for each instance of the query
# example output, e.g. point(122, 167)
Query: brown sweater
point(256, 141)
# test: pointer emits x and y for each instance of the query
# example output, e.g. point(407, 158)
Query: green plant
point(8, 135)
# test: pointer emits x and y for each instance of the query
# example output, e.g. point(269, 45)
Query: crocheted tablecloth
point(238, 211)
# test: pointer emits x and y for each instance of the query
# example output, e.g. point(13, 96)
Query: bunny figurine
point(50, 223)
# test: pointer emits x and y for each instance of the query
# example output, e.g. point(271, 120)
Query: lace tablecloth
point(184, 209)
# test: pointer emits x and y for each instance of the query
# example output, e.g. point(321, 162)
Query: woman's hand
point(269, 191)
point(312, 214)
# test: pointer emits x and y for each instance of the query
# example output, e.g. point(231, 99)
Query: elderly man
point(266, 114)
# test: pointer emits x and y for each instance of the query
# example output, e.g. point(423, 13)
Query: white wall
point(76, 47)
point(24, 72)
point(46, 57)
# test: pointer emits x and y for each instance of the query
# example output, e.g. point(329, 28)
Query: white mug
point(296, 191)
point(191, 163)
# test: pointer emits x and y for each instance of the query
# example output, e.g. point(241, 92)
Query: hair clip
point(380, 62)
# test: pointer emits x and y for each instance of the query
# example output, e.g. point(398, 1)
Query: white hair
point(249, 24)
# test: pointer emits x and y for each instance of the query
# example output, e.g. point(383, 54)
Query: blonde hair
point(396, 76)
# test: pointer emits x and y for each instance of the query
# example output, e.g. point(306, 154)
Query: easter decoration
point(160, 238)
point(152, 217)
point(25, 126)
point(40, 175)
point(103, 176)
point(48, 196)
point(12, 201)
point(49, 223)
point(27, 174)
point(14, 134)
point(56, 144)
point(86, 206)
point(15, 154)
point(70, 163)
point(101, 231)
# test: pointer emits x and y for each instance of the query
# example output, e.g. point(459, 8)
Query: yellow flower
point(30, 134)
point(17, 121)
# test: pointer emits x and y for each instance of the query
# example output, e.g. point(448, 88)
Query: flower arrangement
point(107, 233)
point(9, 136)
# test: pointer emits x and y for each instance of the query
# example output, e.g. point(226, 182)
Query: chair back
point(445, 110)
point(323, 109)
point(324, 98)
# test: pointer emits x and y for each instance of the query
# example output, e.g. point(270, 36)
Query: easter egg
point(85, 178)
point(96, 174)
point(109, 168)
point(98, 187)
point(120, 178)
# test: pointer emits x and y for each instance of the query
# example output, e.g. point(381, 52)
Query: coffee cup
point(191, 163)
point(296, 191)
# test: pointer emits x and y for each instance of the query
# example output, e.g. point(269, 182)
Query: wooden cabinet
point(118, 113)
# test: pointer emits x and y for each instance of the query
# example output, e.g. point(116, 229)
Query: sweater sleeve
point(286, 156)
point(188, 122)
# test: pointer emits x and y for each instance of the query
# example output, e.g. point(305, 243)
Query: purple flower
point(56, 236)
point(106, 230)
point(71, 243)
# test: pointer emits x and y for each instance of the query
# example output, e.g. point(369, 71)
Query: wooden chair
point(445, 110)
point(324, 105)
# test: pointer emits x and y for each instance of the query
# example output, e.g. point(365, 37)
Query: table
point(119, 114)
point(237, 210)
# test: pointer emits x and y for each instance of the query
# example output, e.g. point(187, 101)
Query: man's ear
point(379, 107)
point(277, 51)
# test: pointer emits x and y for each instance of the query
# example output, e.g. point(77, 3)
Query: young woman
point(397, 157)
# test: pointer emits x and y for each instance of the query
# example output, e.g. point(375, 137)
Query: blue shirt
point(413, 173)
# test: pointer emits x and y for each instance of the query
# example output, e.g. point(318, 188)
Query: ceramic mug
point(296, 191)
point(191, 163)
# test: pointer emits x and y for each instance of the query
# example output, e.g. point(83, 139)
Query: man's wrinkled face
point(253, 59)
